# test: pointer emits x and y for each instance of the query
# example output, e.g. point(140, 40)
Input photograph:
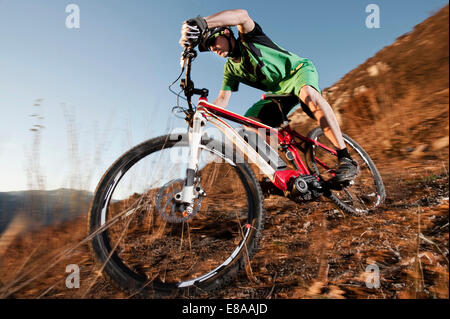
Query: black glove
point(192, 32)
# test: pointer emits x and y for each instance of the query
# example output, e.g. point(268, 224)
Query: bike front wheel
point(144, 240)
point(364, 193)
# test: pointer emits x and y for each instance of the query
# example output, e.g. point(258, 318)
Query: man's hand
point(223, 98)
point(192, 31)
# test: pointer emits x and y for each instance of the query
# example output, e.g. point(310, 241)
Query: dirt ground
point(308, 250)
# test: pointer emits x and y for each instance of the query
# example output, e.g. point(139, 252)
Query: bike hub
point(169, 201)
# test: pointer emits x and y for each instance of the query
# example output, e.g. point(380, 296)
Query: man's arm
point(223, 98)
point(238, 17)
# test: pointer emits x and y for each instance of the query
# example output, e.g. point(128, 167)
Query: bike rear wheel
point(145, 242)
point(363, 194)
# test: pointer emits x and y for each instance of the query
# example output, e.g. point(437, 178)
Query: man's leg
point(256, 113)
point(324, 115)
point(322, 111)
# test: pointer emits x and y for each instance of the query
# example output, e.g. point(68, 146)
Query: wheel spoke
point(147, 234)
point(365, 192)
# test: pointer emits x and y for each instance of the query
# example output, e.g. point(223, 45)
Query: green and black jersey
point(263, 63)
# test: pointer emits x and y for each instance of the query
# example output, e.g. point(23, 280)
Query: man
point(255, 60)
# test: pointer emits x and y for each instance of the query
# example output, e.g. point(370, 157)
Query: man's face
point(221, 46)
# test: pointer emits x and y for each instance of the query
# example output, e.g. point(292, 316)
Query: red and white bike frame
point(208, 112)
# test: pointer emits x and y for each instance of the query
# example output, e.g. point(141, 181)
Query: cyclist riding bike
point(254, 59)
point(154, 224)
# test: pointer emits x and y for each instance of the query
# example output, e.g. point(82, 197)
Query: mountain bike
point(183, 213)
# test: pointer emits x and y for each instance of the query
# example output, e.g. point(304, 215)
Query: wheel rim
point(151, 249)
point(364, 193)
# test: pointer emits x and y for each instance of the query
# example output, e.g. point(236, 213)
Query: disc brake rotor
point(171, 210)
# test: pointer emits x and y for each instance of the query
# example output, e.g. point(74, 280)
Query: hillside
point(42, 207)
point(396, 102)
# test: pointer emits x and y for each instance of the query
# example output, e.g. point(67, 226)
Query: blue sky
point(113, 72)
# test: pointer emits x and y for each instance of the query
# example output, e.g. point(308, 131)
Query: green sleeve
point(230, 83)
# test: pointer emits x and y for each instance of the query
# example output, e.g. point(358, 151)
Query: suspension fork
point(195, 135)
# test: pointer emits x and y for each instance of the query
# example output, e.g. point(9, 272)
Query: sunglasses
point(212, 40)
